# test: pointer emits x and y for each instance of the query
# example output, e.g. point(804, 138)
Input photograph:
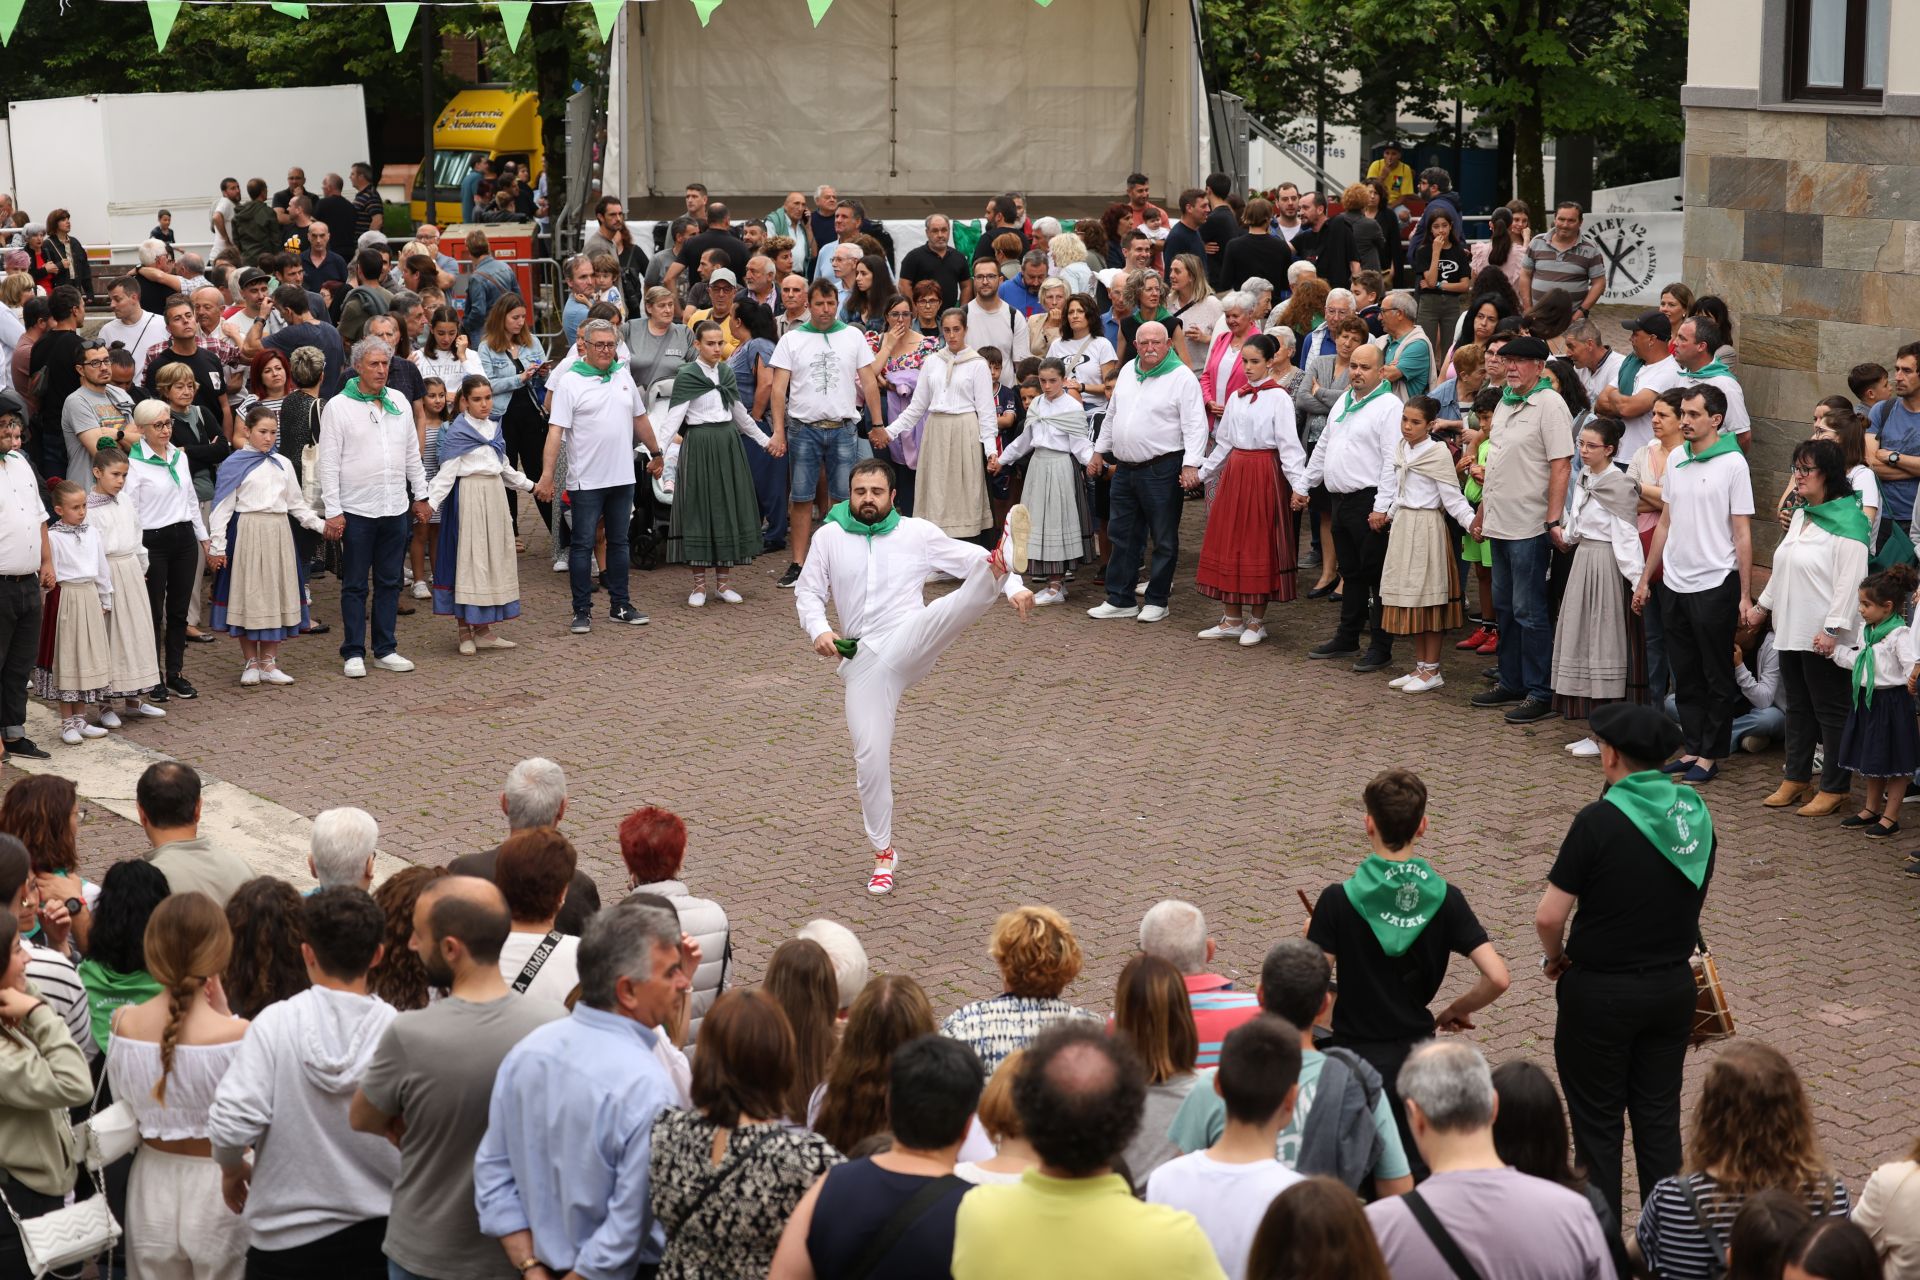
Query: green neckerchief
point(1725, 444)
point(811, 327)
point(1629, 370)
point(1713, 369)
point(1509, 396)
point(1843, 518)
point(584, 369)
point(1673, 818)
point(352, 391)
point(1397, 899)
point(1348, 404)
point(842, 514)
point(691, 383)
point(108, 989)
point(143, 454)
point(1168, 363)
point(1863, 666)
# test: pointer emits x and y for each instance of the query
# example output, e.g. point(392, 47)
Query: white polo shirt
point(21, 516)
point(1702, 498)
point(595, 417)
point(825, 386)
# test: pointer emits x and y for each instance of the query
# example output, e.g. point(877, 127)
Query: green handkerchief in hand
point(847, 646)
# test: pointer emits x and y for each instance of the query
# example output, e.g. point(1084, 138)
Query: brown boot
point(1787, 793)
point(1823, 804)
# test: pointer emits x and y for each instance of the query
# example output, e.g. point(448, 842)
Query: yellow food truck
point(478, 122)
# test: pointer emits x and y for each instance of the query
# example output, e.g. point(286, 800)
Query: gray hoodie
point(286, 1096)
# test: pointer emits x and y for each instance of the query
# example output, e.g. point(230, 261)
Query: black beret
point(1639, 733)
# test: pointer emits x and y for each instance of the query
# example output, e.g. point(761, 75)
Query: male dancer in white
point(874, 563)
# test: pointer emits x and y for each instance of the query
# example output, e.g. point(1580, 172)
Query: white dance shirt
point(79, 557)
point(475, 462)
point(1149, 417)
point(709, 407)
point(1356, 449)
point(1588, 518)
point(949, 384)
point(162, 497)
point(1893, 657)
point(21, 515)
point(1421, 492)
point(269, 487)
point(878, 583)
point(119, 527)
point(1057, 423)
point(1259, 422)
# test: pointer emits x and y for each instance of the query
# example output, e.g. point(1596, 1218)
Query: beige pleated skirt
point(78, 665)
point(1419, 585)
point(136, 660)
point(484, 570)
point(263, 584)
point(951, 481)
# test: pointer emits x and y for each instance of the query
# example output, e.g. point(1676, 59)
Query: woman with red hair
point(653, 844)
point(269, 380)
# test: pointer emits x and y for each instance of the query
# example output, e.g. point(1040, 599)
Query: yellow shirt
point(1068, 1229)
point(1399, 182)
point(726, 330)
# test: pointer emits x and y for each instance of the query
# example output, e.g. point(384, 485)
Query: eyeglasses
point(95, 364)
point(603, 346)
point(1805, 471)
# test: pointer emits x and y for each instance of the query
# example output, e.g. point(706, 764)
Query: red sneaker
point(884, 865)
point(1474, 641)
point(1492, 643)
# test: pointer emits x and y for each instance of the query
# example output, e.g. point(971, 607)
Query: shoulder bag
point(1717, 1264)
point(902, 1220)
point(107, 1136)
point(536, 961)
point(1712, 1019)
point(77, 1232)
point(1457, 1262)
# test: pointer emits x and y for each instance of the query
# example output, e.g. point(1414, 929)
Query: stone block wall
point(1808, 224)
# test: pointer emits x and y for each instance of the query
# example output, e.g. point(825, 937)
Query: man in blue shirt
point(1896, 422)
point(561, 1175)
point(1022, 293)
point(470, 185)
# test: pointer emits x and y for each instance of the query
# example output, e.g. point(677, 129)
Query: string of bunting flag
point(400, 14)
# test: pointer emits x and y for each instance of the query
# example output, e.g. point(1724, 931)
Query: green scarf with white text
point(1672, 817)
point(1398, 900)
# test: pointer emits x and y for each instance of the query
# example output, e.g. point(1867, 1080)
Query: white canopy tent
point(908, 99)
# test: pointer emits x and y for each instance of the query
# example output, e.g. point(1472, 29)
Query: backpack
point(1339, 1139)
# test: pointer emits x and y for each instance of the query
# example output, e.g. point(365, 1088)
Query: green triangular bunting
point(291, 10)
point(606, 11)
point(400, 21)
point(9, 14)
point(163, 13)
point(818, 8)
point(513, 16)
point(705, 9)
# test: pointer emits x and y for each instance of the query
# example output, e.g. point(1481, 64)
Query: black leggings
point(526, 439)
point(172, 553)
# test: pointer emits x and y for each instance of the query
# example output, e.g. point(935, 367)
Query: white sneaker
point(560, 565)
point(1153, 613)
point(1050, 595)
point(1105, 610)
point(70, 730)
point(1585, 749)
point(354, 668)
point(1419, 685)
point(1010, 553)
point(1252, 636)
point(393, 662)
point(421, 591)
point(1399, 682)
point(148, 709)
point(731, 596)
point(108, 718)
point(91, 730)
point(697, 600)
point(272, 674)
point(250, 676)
point(1221, 631)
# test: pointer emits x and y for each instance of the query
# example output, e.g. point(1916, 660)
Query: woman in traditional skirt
point(260, 586)
point(1247, 554)
point(136, 658)
point(1881, 742)
point(1057, 435)
point(716, 516)
point(1600, 643)
point(955, 424)
point(76, 658)
point(1420, 581)
point(475, 577)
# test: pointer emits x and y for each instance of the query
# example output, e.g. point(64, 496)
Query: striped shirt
point(59, 985)
point(1217, 1009)
point(1569, 269)
point(1676, 1246)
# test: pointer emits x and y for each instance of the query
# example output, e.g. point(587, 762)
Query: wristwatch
point(1893, 458)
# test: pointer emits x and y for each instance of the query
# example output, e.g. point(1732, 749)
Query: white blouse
point(1893, 657)
point(1587, 518)
point(79, 557)
point(475, 462)
point(965, 387)
point(1263, 422)
point(1815, 585)
point(1058, 423)
point(269, 487)
point(449, 368)
point(162, 498)
point(1403, 487)
point(709, 407)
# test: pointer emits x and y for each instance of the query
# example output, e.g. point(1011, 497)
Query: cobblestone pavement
point(1097, 766)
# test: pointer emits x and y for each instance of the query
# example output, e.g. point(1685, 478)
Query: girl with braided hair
point(165, 1059)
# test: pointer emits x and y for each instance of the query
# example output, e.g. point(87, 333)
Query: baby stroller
point(652, 495)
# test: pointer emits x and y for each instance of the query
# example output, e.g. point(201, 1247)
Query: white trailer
point(114, 160)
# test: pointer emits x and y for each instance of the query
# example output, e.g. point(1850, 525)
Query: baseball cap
point(1654, 323)
point(251, 275)
point(723, 276)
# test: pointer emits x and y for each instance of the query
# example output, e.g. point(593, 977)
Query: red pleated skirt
point(1247, 556)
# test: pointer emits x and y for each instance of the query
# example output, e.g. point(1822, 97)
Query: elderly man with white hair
point(849, 958)
point(1153, 439)
point(1339, 305)
point(1406, 348)
point(342, 847)
point(159, 278)
point(1474, 1198)
point(1176, 931)
point(1302, 269)
point(535, 795)
point(369, 465)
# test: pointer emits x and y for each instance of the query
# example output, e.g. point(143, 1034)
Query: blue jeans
point(397, 1272)
point(1146, 500)
point(810, 449)
point(1520, 608)
point(376, 545)
point(1659, 670)
point(1768, 722)
point(770, 491)
point(613, 504)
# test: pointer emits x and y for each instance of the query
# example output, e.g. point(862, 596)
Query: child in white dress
point(259, 593)
point(130, 638)
point(1420, 582)
point(76, 659)
point(1061, 442)
point(475, 576)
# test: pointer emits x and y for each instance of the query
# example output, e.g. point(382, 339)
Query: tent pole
point(893, 90)
point(1140, 88)
point(639, 12)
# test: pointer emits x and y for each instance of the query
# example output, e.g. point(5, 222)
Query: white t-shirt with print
point(825, 385)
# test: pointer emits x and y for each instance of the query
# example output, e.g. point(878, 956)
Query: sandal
point(1860, 820)
point(1881, 830)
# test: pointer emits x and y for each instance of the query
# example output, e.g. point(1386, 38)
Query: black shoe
point(628, 614)
point(205, 637)
point(1373, 660)
point(1316, 593)
point(582, 624)
point(28, 749)
point(1498, 696)
point(768, 548)
point(1531, 710)
point(791, 576)
point(1333, 649)
point(181, 688)
point(318, 629)
point(158, 694)
point(1491, 673)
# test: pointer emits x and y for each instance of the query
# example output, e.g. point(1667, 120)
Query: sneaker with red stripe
point(884, 865)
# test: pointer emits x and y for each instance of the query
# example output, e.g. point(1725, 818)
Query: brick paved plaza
point(1096, 766)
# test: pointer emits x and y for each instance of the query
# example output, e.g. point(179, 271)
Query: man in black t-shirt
point(1390, 929)
point(58, 352)
point(183, 347)
point(718, 235)
point(936, 260)
point(1637, 861)
point(1221, 228)
point(335, 212)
